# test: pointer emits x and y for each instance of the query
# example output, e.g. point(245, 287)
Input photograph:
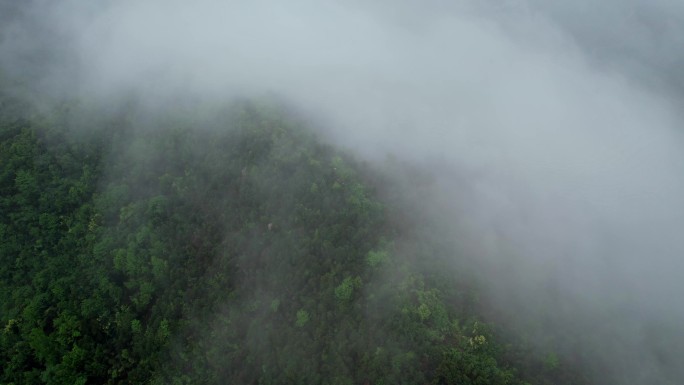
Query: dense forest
point(225, 245)
point(341, 192)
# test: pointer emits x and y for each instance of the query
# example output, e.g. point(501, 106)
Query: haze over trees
point(471, 192)
point(242, 253)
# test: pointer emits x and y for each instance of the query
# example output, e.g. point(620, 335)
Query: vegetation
point(178, 250)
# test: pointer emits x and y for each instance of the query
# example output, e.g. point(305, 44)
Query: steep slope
point(176, 249)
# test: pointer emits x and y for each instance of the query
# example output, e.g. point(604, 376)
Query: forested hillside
point(182, 249)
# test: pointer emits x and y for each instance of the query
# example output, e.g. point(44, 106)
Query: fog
point(552, 129)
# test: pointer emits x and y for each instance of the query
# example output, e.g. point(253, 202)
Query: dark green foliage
point(163, 251)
